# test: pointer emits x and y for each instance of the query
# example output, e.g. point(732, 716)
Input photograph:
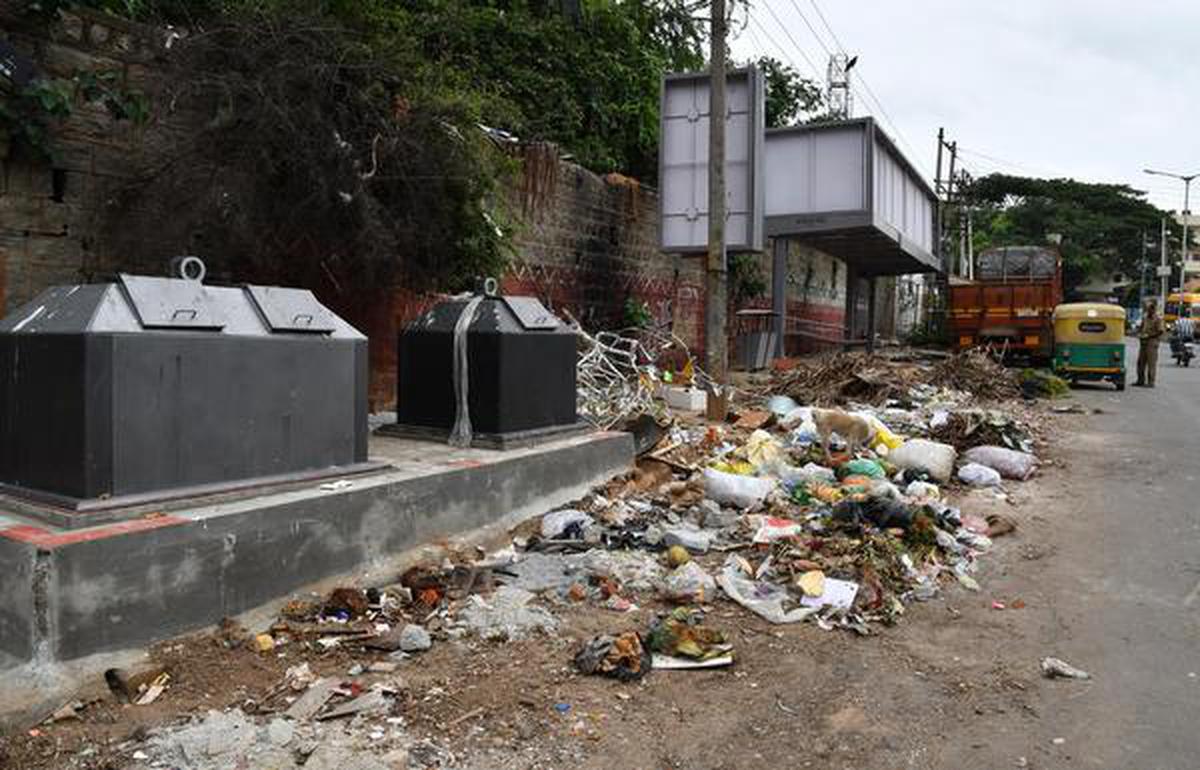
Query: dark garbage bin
point(520, 373)
point(151, 388)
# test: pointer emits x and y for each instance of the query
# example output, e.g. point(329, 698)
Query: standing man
point(1149, 336)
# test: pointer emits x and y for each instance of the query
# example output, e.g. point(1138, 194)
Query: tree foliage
point(1102, 225)
point(790, 97)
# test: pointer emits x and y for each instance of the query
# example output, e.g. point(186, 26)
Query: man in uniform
point(1149, 337)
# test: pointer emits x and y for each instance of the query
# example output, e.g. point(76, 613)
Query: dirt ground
point(954, 683)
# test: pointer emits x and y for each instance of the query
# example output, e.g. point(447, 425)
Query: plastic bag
point(881, 435)
point(922, 491)
point(868, 468)
point(771, 529)
point(978, 475)
point(761, 449)
point(920, 454)
point(738, 491)
point(1010, 463)
point(795, 417)
point(760, 597)
point(558, 523)
point(690, 583)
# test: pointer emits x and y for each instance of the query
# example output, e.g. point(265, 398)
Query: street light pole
point(1187, 186)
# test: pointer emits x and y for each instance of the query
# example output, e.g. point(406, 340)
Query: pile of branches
point(837, 378)
point(978, 373)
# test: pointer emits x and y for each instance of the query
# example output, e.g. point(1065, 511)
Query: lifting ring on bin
point(189, 268)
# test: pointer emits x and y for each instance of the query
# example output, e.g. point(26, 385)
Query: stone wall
point(52, 214)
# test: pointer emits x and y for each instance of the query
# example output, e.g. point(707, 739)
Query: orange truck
point(1009, 305)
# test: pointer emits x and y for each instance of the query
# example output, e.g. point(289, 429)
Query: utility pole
point(937, 192)
point(1162, 301)
point(1142, 275)
point(716, 295)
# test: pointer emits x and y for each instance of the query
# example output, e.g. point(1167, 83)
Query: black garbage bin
point(520, 372)
point(151, 387)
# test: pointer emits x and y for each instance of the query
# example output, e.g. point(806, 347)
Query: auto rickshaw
point(1089, 342)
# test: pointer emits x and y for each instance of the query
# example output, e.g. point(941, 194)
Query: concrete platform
point(68, 593)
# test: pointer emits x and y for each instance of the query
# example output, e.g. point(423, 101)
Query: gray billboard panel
point(683, 162)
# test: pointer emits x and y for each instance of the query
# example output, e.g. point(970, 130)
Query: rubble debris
point(313, 700)
point(1055, 668)
point(414, 638)
point(370, 702)
point(505, 615)
point(624, 657)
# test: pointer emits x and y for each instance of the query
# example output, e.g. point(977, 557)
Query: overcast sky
point(1092, 89)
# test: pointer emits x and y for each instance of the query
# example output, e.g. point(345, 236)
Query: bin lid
point(291, 310)
point(169, 303)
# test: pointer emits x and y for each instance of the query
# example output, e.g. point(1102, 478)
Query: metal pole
point(871, 314)
point(717, 358)
point(1142, 278)
point(1162, 301)
point(779, 252)
point(1187, 186)
point(970, 247)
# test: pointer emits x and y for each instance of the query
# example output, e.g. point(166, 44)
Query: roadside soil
point(955, 683)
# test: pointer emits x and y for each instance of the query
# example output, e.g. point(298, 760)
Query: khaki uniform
point(1149, 336)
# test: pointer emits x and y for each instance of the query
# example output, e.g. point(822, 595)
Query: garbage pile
point(838, 378)
point(839, 518)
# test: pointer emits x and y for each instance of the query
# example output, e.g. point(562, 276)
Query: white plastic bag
point(922, 491)
point(920, 454)
point(735, 490)
point(1010, 463)
point(978, 475)
point(690, 583)
point(557, 522)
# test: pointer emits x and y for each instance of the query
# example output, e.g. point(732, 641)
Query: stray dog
point(854, 430)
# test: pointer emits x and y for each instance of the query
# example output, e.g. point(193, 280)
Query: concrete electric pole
point(1185, 252)
point(716, 295)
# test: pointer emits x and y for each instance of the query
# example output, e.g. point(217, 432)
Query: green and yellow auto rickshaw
point(1089, 342)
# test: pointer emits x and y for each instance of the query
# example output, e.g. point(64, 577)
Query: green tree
point(1101, 225)
point(790, 97)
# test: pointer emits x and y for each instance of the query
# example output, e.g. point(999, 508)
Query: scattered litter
point(764, 599)
point(1053, 668)
point(370, 702)
point(838, 594)
point(681, 640)
point(153, 690)
point(336, 486)
point(623, 657)
point(998, 525)
point(812, 583)
point(771, 529)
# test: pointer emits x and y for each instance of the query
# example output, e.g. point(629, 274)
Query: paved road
point(1131, 556)
point(1123, 587)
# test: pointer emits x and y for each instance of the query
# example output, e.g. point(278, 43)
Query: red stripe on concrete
point(45, 539)
point(465, 463)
